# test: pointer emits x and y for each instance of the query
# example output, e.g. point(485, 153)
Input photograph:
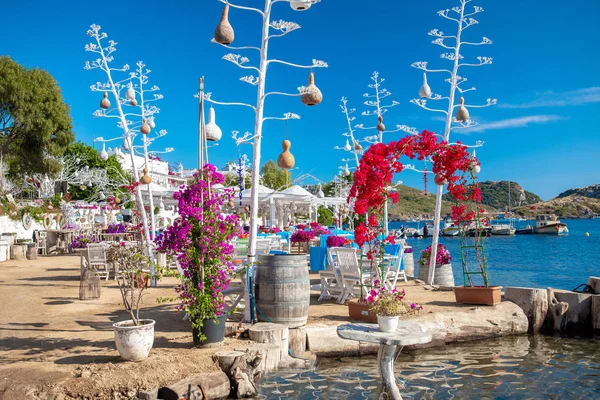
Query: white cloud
point(519, 122)
point(552, 99)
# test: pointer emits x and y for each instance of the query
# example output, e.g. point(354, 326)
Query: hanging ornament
point(320, 193)
point(247, 208)
point(145, 179)
point(346, 170)
point(380, 125)
point(347, 147)
point(145, 128)
point(425, 179)
point(103, 153)
point(286, 159)
point(125, 145)
point(133, 102)
point(312, 95)
point(425, 91)
point(213, 132)
point(224, 32)
point(117, 199)
point(130, 94)
point(357, 146)
point(300, 5)
point(476, 169)
point(105, 102)
point(440, 180)
point(102, 196)
point(151, 122)
point(462, 114)
point(90, 184)
point(230, 204)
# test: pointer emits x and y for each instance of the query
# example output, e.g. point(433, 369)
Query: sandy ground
point(53, 345)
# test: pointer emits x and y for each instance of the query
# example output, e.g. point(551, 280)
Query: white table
point(408, 333)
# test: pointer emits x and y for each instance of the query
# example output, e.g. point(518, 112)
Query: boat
point(549, 224)
point(425, 231)
point(503, 229)
point(450, 228)
point(527, 231)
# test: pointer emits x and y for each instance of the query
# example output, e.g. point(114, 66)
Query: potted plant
point(336, 241)
point(134, 337)
point(301, 238)
point(80, 243)
point(443, 275)
point(201, 241)
point(389, 305)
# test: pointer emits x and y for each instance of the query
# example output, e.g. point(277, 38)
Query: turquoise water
point(520, 367)
point(541, 261)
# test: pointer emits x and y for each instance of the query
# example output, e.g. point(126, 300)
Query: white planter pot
point(387, 324)
point(134, 342)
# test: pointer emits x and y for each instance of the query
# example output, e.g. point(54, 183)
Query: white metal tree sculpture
point(280, 28)
point(456, 114)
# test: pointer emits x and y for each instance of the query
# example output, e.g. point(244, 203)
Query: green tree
point(274, 177)
point(35, 122)
point(325, 216)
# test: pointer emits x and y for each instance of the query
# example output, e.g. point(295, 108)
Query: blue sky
point(543, 133)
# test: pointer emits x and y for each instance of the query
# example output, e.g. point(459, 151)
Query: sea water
point(539, 261)
point(517, 367)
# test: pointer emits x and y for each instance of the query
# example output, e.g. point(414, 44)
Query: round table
point(408, 333)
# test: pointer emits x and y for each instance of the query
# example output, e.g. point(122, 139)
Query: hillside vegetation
point(573, 203)
point(495, 194)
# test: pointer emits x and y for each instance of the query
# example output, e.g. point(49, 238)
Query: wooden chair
point(97, 258)
point(331, 279)
point(40, 242)
point(353, 280)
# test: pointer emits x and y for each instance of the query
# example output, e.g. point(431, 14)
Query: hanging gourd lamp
point(346, 171)
point(145, 128)
point(357, 146)
point(230, 204)
point(425, 91)
point(103, 153)
point(286, 158)
point(133, 102)
point(102, 196)
point(440, 180)
point(130, 94)
point(312, 95)
point(347, 147)
point(151, 123)
point(125, 145)
point(300, 5)
point(90, 184)
point(380, 125)
point(475, 167)
point(213, 132)
point(320, 193)
point(105, 102)
point(117, 199)
point(247, 208)
point(145, 179)
point(224, 31)
point(462, 114)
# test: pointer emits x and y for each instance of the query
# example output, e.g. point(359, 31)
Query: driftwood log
point(207, 386)
point(242, 369)
point(559, 310)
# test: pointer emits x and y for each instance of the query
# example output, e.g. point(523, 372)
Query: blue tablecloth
point(284, 235)
point(318, 257)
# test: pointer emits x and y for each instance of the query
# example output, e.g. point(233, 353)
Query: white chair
point(353, 280)
point(275, 242)
point(40, 242)
point(394, 269)
point(97, 258)
point(263, 246)
point(331, 279)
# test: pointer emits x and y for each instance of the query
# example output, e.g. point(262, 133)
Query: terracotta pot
point(360, 312)
point(490, 295)
point(141, 280)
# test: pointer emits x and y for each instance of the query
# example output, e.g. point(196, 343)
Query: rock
point(297, 341)
point(277, 334)
point(149, 394)
point(571, 311)
point(533, 302)
point(208, 386)
point(296, 363)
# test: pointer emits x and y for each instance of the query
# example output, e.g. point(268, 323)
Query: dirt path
point(52, 344)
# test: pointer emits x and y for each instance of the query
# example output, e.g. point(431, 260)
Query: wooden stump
point(270, 355)
point(32, 252)
point(18, 252)
point(594, 282)
point(533, 302)
point(243, 370)
point(297, 339)
point(276, 334)
point(596, 313)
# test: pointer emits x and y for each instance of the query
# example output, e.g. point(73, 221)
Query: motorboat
point(425, 231)
point(450, 229)
point(549, 224)
point(526, 231)
point(503, 229)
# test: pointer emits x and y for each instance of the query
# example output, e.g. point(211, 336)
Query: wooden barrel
point(282, 289)
point(443, 274)
point(409, 264)
point(32, 251)
point(18, 252)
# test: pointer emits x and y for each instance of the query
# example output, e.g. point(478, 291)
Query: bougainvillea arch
point(370, 190)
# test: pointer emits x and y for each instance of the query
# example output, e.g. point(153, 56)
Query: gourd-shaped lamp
point(102, 196)
point(213, 132)
point(440, 180)
point(105, 102)
point(425, 91)
point(103, 153)
point(130, 94)
point(346, 170)
point(161, 205)
point(145, 128)
point(312, 95)
point(230, 204)
point(151, 123)
point(347, 147)
point(125, 145)
point(286, 158)
point(145, 179)
point(357, 146)
point(224, 31)
point(475, 167)
point(380, 125)
point(320, 193)
point(300, 5)
point(462, 114)
point(117, 199)
point(133, 102)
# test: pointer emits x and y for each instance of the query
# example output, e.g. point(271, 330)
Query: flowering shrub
point(302, 236)
point(274, 229)
point(201, 242)
point(81, 241)
point(300, 227)
point(408, 250)
point(336, 241)
point(116, 228)
point(318, 230)
point(389, 303)
point(442, 257)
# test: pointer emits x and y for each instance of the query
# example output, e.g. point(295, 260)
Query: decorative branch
point(285, 117)
point(315, 64)
point(234, 47)
point(243, 7)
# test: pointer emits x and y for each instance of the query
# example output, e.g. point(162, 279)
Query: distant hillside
point(414, 203)
point(574, 203)
point(495, 194)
